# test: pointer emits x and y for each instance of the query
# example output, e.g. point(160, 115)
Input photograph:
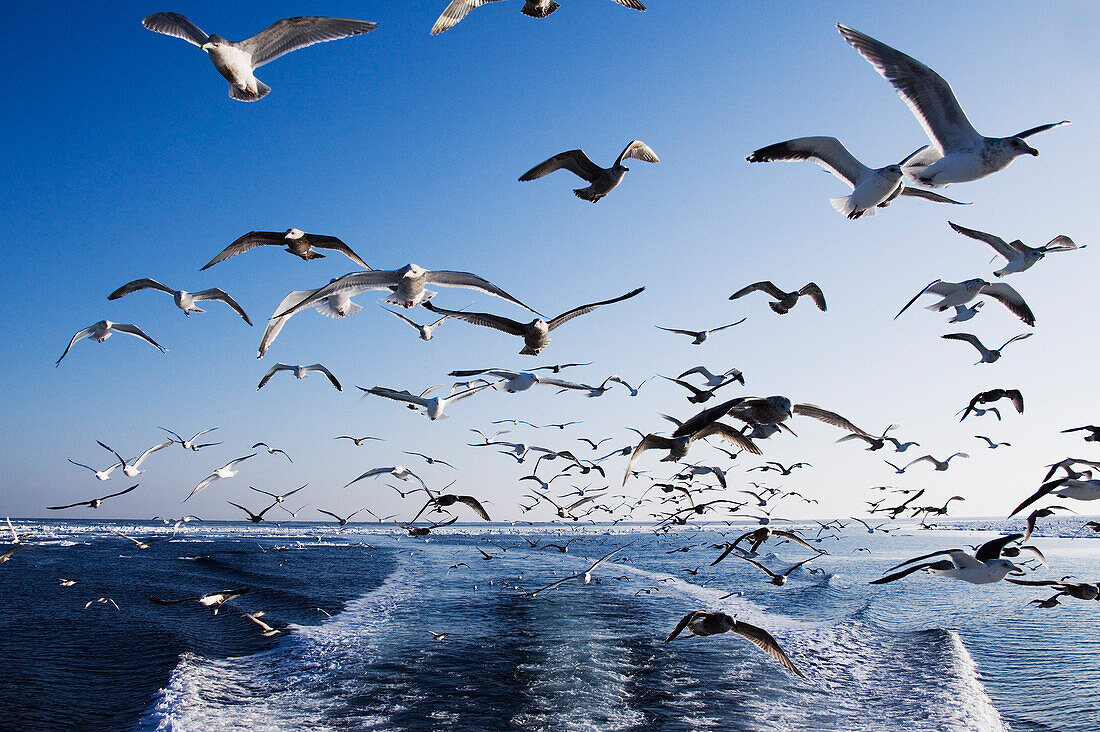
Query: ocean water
point(918, 654)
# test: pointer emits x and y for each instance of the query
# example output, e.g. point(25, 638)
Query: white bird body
point(964, 313)
point(103, 330)
point(955, 294)
point(225, 471)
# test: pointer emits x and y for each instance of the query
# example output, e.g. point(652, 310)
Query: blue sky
point(127, 159)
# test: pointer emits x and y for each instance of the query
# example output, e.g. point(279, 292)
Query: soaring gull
point(296, 241)
point(102, 330)
point(184, 300)
point(456, 10)
point(602, 180)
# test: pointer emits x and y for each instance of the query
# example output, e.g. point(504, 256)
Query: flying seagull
point(236, 60)
point(680, 443)
point(993, 395)
point(1093, 432)
point(94, 503)
point(784, 301)
point(714, 380)
point(775, 578)
point(190, 444)
point(102, 330)
point(871, 187)
point(449, 499)
point(433, 406)
point(585, 577)
point(702, 623)
point(1019, 256)
point(1081, 490)
point(425, 331)
point(958, 152)
point(254, 517)
point(960, 293)
point(989, 355)
point(984, 567)
point(602, 180)
point(700, 335)
point(213, 600)
point(299, 373)
point(133, 469)
point(536, 334)
point(337, 305)
point(940, 465)
point(184, 300)
point(397, 471)
point(459, 9)
point(406, 286)
point(225, 471)
point(296, 241)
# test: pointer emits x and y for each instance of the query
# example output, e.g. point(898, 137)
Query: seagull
point(758, 537)
point(225, 471)
point(602, 180)
point(94, 503)
point(338, 305)
point(213, 600)
point(424, 330)
point(714, 380)
point(1093, 432)
point(406, 286)
point(984, 567)
point(254, 517)
point(516, 381)
point(456, 10)
point(296, 241)
point(433, 407)
point(1081, 490)
point(698, 396)
point(778, 579)
point(358, 440)
point(132, 470)
point(236, 60)
point(397, 471)
point(190, 444)
point(871, 187)
point(343, 521)
point(958, 152)
point(6, 556)
point(680, 443)
point(779, 467)
point(441, 636)
point(102, 330)
point(137, 542)
point(299, 373)
point(101, 601)
point(585, 577)
point(941, 465)
point(536, 334)
point(272, 450)
point(964, 313)
point(988, 355)
point(265, 630)
point(960, 293)
point(1019, 256)
point(184, 300)
point(993, 395)
point(703, 623)
point(1039, 513)
point(430, 460)
point(449, 499)
point(784, 301)
point(564, 511)
point(66, 582)
point(104, 474)
point(700, 335)
point(1079, 591)
point(993, 445)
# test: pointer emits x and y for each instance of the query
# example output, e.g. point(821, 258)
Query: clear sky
point(125, 158)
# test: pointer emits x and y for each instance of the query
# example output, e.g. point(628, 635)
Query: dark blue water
point(922, 653)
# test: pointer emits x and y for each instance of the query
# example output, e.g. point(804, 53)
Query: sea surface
point(356, 609)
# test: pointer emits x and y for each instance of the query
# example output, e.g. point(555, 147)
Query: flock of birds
point(957, 153)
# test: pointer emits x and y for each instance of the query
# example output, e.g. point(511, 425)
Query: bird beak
point(207, 46)
point(1033, 151)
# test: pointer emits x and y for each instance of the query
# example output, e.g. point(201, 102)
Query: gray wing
point(632, 4)
point(323, 241)
point(795, 538)
point(638, 150)
point(290, 34)
point(723, 327)
point(999, 245)
point(1007, 296)
point(488, 320)
point(1017, 338)
point(474, 504)
point(729, 434)
point(401, 396)
point(764, 286)
point(219, 294)
point(763, 640)
point(585, 309)
point(1041, 128)
point(814, 292)
point(175, 25)
point(930, 196)
point(352, 284)
point(455, 12)
point(276, 323)
point(927, 288)
point(271, 372)
point(992, 549)
point(251, 240)
point(143, 284)
point(326, 372)
point(80, 335)
point(649, 442)
point(681, 625)
point(828, 152)
point(969, 338)
point(824, 415)
point(469, 281)
point(138, 332)
point(575, 161)
point(924, 91)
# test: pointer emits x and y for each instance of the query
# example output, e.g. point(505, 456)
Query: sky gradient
point(127, 159)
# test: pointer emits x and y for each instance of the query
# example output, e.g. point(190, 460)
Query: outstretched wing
point(175, 25)
point(469, 281)
point(814, 292)
point(455, 12)
point(143, 284)
point(487, 320)
point(585, 309)
point(290, 34)
point(828, 152)
point(326, 372)
point(251, 240)
point(824, 415)
point(638, 150)
point(575, 161)
point(729, 434)
point(681, 625)
point(763, 640)
point(1007, 296)
point(138, 332)
point(219, 294)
